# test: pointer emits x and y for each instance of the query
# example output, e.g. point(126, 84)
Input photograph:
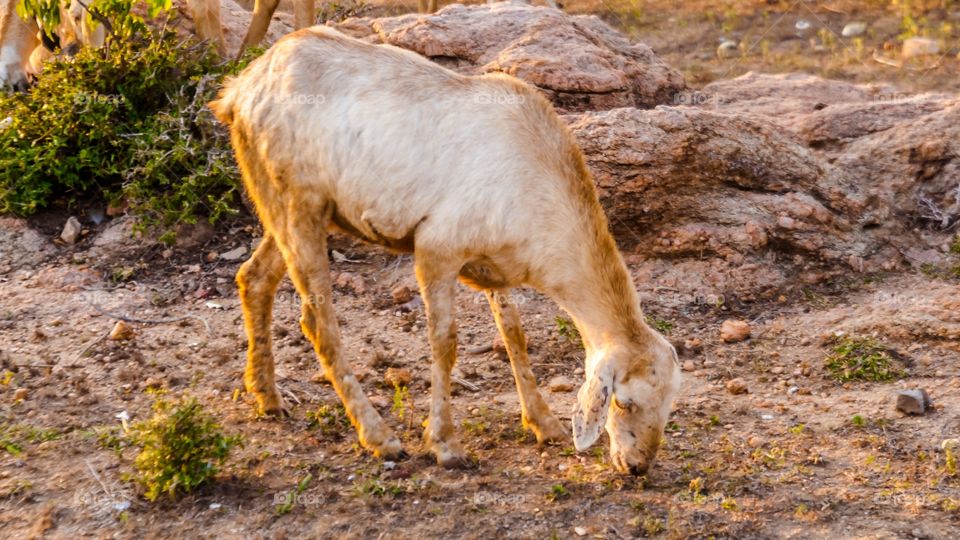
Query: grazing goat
point(21, 51)
point(482, 181)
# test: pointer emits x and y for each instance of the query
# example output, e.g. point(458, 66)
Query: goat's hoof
point(451, 456)
point(550, 431)
point(390, 450)
point(277, 412)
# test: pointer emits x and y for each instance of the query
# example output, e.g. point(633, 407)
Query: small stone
point(580, 531)
point(234, 254)
point(212, 256)
point(71, 231)
point(918, 46)
point(688, 365)
point(915, 401)
point(20, 394)
point(727, 49)
point(693, 345)
point(560, 384)
point(854, 29)
point(401, 295)
point(389, 465)
point(121, 331)
point(153, 383)
point(950, 444)
point(755, 442)
point(397, 377)
point(733, 330)
point(737, 387)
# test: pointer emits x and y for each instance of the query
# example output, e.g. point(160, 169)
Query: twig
point(97, 478)
point(292, 396)
point(86, 349)
point(168, 320)
point(466, 384)
point(480, 350)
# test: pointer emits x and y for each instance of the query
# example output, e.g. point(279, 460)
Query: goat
point(330, 132)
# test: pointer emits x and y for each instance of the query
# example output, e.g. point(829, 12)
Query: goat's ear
point(593, 402)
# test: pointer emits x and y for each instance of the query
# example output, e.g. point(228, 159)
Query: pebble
point(755, 442)
point(234, 254)
point(71, 231)
point(688, 365)
point(737, 387)
point(727, 49)
point(121, 331)
point(389, 465)
point(560, 384)
point(395, 377)
point(580, 531)
point(918, 46)
point(915, 401)
point(734, 330)
point(20, 394)
point(854, 29)
point(401, 295)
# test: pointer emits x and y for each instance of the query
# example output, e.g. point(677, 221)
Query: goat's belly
point(370, 231)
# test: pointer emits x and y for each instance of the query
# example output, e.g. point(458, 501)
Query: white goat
point(481, 180)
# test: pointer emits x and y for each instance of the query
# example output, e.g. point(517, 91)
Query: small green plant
point(181, 448)
point(290, 498)
point(662, 325)
point(861, 359)
point(377, 488)
point(950, 467)
point(858, 421)
point(557, 492)
point(400, 395)
point(566, 329)
point(14, 437)
point(330, 420)
point(714, 420)
point(955, 246)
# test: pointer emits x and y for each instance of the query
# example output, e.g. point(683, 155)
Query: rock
point(234, 254)
point(737, 387)
point(755, 441)
point(949, 444)
point(71, 231)
point(733, 331)
point(915, 401)
point(560, 384)
point(234, 20)
point(580, 531)
point(20, 394)
point(121, 331)
point(688, 365)
point(692, 346)
point(347, 280)
point(153, 383)
point(727, 49)
point(397, 377)
point(854, 29)
point(579, 62)
point(401, 294)
point(918, 46)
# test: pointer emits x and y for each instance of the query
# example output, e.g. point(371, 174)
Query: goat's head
point(629, 389)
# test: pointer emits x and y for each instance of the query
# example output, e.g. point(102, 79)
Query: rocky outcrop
point(579, 62)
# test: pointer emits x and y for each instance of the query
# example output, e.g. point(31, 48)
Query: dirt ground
point(784, 460)
point(796, 456)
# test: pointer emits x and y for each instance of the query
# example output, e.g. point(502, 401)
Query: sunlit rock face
point(579, 62)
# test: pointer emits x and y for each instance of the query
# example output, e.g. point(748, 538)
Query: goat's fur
point(481, 180)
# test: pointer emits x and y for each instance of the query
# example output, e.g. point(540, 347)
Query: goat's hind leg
point(534, 411)
point(257, 281)
point(305, 252)
point(438, 289)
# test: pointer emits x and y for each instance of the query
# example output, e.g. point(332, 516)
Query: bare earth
point(773, 462)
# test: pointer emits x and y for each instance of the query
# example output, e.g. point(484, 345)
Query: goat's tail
point(222, 107)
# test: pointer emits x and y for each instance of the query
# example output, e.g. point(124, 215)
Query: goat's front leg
point(534, 411)
point(305, 252)
point(438, 289)
point(259, 23)
point(206, 22)
point(304, 14)
point(257, 281)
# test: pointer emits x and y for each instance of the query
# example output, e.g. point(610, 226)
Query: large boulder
point(579, 62)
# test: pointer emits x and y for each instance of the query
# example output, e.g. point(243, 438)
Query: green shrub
point(861, 359)
point(182, 446)
point(126, 121)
